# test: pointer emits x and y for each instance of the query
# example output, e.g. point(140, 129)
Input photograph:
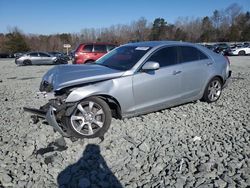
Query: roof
point(156, 43)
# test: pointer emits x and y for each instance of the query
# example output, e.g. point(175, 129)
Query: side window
point(87, 48)
point(43, 55)
point(100, 48)
point(33, 54)
point(189, 53)
point(165, 57)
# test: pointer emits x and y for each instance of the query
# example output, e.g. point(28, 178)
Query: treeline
point(231, 24)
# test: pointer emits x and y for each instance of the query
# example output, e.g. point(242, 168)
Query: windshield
point(123, 58)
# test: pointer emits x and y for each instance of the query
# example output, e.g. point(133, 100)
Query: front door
point(157, 89)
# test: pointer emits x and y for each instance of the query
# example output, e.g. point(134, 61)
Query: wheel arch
point(242, 52)
point(205, 86)
point(113, 104)
point(218, 76)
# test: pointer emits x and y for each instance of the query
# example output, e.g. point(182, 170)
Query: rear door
point(159, 88)
point(195, 66)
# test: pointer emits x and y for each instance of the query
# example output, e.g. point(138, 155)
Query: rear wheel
point(242, 52)
point(213, 90)
point(91, 118)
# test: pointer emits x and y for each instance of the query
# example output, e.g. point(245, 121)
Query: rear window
point(189, 53)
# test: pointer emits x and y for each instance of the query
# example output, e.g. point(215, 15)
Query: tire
point(213, 90)
point(242, 52)
point(91, 118)
point(27, 62)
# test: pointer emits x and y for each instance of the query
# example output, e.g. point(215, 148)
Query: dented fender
point(81, 93)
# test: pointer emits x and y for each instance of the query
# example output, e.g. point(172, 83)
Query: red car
point(90, 52)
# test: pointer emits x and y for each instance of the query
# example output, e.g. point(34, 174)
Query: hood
point(62, 76)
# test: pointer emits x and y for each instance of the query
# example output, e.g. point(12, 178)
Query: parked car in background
point(71, 54)
point(222, 48)
point(210, 47)
point(18, 54)
point(246, 44)
point(38, 58)
point(90, 52)
point(240, 51)
point(131, 80)
point(236, 46)
point(4, 55)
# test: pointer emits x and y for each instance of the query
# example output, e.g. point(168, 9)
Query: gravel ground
point(193, 145)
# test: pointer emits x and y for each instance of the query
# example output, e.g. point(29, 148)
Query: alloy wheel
point(214, 90)
point(88, 118)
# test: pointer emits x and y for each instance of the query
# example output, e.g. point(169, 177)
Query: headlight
point(46, 86)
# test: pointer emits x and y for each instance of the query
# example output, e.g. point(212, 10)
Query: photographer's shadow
point(90, 171)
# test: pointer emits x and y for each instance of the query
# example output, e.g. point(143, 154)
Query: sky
point(70, 16)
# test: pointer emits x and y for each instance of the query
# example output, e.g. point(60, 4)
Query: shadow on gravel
point(90, 171)
point(58, 145)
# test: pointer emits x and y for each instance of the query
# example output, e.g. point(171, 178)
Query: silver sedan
point(36, 58)
point(131, 80)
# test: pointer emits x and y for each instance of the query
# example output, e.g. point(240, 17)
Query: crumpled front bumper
point(49, 115)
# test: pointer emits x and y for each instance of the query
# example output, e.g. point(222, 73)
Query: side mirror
point(151, 65)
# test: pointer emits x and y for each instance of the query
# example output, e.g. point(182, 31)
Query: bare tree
point(232, 12)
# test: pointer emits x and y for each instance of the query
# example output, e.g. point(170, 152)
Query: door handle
point(176, 72)
point(210, 63)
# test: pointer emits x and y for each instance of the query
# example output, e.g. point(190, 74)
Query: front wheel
point(213, 90)
point(91, 118)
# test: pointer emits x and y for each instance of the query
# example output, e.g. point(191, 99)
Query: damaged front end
point(54, 112)
point(71, 110)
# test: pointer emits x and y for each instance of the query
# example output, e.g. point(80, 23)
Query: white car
point(240, 51)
